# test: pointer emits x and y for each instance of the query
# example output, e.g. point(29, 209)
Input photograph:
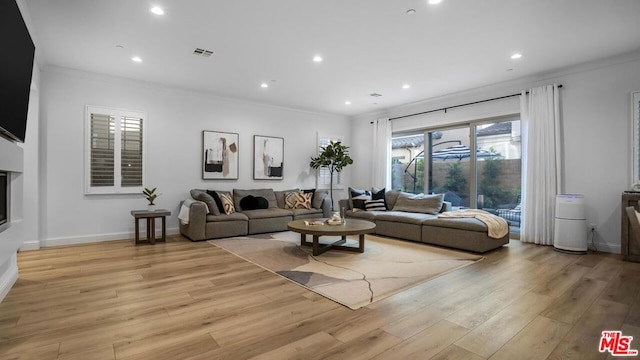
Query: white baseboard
point(85, 239)
point(608, 248)
point(29, 245)
point(9, 277)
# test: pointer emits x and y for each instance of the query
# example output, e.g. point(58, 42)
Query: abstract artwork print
point(268, 158)
point(219, 155)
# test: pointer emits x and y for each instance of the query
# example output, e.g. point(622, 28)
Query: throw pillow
point(375, 205)
point(312, 192)
point(262, 203)
point(280, 196)
point(358, 197)
point(268, 194)
point(201, 195)
point(297, 200)
point(249, 202)
point(216, 198)
point(227, 203)
point(379, 194)
point(426, 204)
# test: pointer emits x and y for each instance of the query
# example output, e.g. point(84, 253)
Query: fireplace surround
point(4, 200)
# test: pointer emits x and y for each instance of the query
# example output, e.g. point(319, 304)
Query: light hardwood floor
point(185, 300)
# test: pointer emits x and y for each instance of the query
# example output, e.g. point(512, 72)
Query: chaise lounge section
point(409, 221)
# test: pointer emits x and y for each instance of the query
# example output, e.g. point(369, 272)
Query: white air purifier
point(570, 228)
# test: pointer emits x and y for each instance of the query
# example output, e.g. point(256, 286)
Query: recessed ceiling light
point(406, 86)
point(411, 11)
point(136, 59)
point(264, 85)
point(157, 10)
point(347, 102)
point(516, 56)
point(317, 58)
point(434, 2)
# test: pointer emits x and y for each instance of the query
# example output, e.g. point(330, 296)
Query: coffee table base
point(337, 245)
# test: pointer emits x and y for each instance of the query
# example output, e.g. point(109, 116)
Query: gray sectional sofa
point(402, 222)
point(202, 217)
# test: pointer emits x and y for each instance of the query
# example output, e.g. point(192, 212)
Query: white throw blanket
point(497, 227)
point(183, 216)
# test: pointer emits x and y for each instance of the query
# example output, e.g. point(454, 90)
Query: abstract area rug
point(353, 279)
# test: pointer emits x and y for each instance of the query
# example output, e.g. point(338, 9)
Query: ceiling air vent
point(202, 52)
point(375, 95)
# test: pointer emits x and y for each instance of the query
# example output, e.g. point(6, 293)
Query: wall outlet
point(593, 227)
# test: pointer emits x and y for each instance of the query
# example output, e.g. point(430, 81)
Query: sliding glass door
point(449, 165)
point(500, 177)
point(476, 165)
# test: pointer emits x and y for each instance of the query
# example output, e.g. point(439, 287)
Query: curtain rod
point(457, 106)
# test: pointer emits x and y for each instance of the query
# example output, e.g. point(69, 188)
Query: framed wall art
point(268, 158)
point(219, 155)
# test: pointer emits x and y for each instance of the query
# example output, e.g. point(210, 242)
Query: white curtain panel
point(381, 159)
point(541, 163)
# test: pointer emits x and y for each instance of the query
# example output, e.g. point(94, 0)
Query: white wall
point(595, 101)
point(176, 119)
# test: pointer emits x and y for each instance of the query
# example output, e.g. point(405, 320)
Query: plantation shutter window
point(102, 149)
point(115, 151)
point(131, 152)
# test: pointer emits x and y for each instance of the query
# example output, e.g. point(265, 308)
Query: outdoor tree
point(335, 157)
point(490, 186)
point(456, 180)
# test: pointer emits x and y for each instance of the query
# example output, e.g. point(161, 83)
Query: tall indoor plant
point(335, 157)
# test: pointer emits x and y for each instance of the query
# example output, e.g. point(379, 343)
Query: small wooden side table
point(151, 217)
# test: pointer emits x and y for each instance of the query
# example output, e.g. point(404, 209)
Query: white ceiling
point(368, 45)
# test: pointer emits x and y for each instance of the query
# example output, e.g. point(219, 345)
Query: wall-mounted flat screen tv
point(16, 68)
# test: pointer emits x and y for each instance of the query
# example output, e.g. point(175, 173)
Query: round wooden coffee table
point(350, 227)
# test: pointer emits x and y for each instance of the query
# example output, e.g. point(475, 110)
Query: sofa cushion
point(227, 203)
point(318, 198)
point(202, 195)
point(262, 202)
point(249, 202)
point(391, 197)
point(306, 212)
point(378, 194)
point(216, 198)
point(375, 205)
point(268, 194)
point(231, 217)
point(404, 217)
point(297, 200)
point(280, 196)
point(426, 204)
point(358, 197)
point(267, 213)
point(361, 214)
point(310, 191)
point(471, 224)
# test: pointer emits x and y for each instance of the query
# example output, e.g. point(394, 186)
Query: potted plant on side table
point(150, 195)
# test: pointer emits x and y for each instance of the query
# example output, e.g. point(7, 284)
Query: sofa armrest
point(327, 207)
point(446, 206)
point(195, 229)
point(344, 203)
